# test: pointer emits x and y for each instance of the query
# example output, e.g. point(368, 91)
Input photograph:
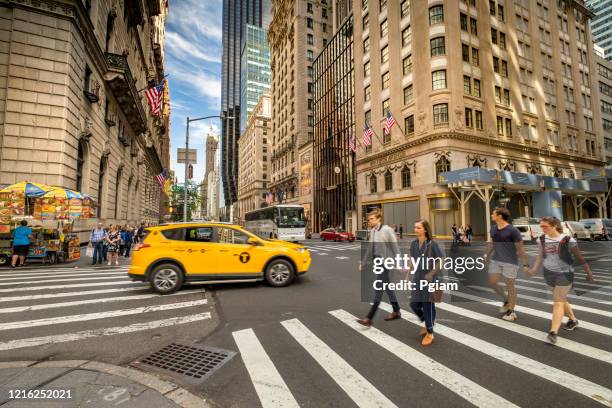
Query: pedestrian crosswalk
point(517, 349)
point(325, 248)
point(46, 306)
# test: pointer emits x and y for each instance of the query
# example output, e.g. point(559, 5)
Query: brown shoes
point(393, 316)
point(365, 322)
point(427, 340)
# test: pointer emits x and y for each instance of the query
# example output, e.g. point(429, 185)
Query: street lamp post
point(186, 194)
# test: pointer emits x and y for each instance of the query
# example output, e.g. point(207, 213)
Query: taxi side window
point(202, 234)
point(176, 234)
point(231, 236)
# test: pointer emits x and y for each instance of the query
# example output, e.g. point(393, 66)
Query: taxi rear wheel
point(279, 273)
point(166, 278)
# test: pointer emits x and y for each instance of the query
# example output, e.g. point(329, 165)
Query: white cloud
point(179, 47)
point(200, 19)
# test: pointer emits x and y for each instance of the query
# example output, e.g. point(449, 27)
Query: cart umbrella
point(63, 193)
point(30, 189)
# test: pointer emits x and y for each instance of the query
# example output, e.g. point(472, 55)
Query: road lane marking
point(342, 257)
point(269, 385)
point(570, 381)
point(569, 295)
point(93, 278)
point(99, 315)
point(87, 334)
point(360, 390)
point(71, 294)
point(580, 348)
point(455, 382)
point(71, 275)
point(76, 285)
point(46, 271)
point(46, 306)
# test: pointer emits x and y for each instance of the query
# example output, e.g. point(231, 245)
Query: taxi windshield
point(291, 217)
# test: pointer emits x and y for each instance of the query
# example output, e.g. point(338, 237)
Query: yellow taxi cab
point(173, 254)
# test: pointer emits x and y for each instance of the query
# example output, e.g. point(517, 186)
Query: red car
point(338, 235)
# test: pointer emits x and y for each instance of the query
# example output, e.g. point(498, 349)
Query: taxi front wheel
point(279, 273)
point(166, 278)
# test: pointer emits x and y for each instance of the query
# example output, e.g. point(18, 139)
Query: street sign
point(181, 157)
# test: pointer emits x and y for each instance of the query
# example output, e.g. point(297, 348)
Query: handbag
point(438, 293)
point(89, 252)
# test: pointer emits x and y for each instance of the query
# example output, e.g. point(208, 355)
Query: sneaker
point(571, 325)
point(427, 340)
point(510, 316)
point(552, 337)
point(504, 308)
point(108, 264)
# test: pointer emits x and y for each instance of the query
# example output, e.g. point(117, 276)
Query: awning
point(600, 173)
point(468, 177)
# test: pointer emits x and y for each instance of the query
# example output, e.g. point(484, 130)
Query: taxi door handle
point(179, 249)
point(202, 250)
point(189, 250)
point(223, 250)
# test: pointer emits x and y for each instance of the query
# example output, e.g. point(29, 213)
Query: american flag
point(269, 198)
point(154, 97)
point(161, 178)
point(367, 135)
point(389, 123)
point(352, 145)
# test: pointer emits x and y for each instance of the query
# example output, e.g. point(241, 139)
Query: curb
point(171, 391)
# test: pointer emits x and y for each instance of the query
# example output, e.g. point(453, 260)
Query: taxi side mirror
point(252, 241)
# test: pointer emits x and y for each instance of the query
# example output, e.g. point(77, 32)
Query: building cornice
point(479, 140)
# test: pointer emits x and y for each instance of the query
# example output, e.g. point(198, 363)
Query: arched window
point(101, 174)
point(118, 193)
point(388, 180)
point(373, 183)
point(406, 177)
point(442, 166)
point(80, 162)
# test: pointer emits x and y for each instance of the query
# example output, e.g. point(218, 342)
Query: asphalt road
point(300, 346)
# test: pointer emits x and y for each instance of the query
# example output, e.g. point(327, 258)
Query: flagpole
point(398, 125)
point(147, 87)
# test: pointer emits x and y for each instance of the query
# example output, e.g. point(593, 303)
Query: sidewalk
point(91, 384)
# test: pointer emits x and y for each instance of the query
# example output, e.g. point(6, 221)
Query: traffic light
point(190, 171)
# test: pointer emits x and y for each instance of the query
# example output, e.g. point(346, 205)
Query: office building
point(604, 84)
point(601, 25)
point(255, 73)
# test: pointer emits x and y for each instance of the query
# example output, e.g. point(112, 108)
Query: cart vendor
point(21, 243)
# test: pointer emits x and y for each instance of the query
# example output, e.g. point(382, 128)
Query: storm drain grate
point(194, 363)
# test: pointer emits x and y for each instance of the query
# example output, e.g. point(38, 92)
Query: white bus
point(284, 221)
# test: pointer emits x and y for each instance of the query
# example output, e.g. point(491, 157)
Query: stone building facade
point(212, 145)
point(499, 84)
point(71, 107)
point(298, 32)
point(604, 83)
point(253, 159)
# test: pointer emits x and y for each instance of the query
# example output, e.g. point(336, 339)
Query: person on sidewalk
point(469, 234)
point(454, 232)
point(383, 244)
point(21, 244)
point(556, 253)
point(96, 240)
point(422, 302)
point(401, 231)
point(113, 238)
point(504, 248)
point(128, 240)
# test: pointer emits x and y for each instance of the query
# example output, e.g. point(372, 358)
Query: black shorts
point(558, 279)
point(21, 250)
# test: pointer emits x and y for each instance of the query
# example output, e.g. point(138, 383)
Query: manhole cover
point(192, 364)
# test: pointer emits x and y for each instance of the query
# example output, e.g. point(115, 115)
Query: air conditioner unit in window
point(92, 92)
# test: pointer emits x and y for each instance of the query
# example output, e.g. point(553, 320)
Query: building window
point(492, 7)
point(309, 39)
point(309, 55)
point(475, 58)
point(324, 13)
point(465, 52)
point(496, 65)
point(407, 65)
point(473, 26)
point(463, 22)
point(309, 22)
point(80, 163)
point(382, 4)
point(406, 36)
point(500, 125)
point(494, 36)
point(101, 179)
point(409, 125)
point(405, 8)
point(467, 85)
point(309, 8)
point(406, 179)
point(502, 41)
point(384, 54)
point(506, 99)
point(385, 79)
point(438, 79)
point(436, 15)
point(442, 166)
point(366, 21)
point(384, 28)
point(408, 94)
point(500, 12)
point(388, 180)
point(366, 45)
point(373, 184)
point(118, 194)
point(364, 4)
point(504, 68)
point(310, 120)
point(468, 118)
point(440, 113)
point(366, 69)
point(478, 115)
point(386, 105)
point(497, 94)
point(437, 46)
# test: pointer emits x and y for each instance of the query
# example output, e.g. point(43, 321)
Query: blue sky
point(193, 51)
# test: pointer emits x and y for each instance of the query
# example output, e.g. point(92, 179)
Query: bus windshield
point(291, 217)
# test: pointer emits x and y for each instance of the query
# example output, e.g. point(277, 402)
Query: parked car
point(577, 230)
point(601, 228)
point(529, 232)
point(336, 234)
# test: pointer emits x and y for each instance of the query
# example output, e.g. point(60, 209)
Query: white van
point(601, 228)
point(577, 230)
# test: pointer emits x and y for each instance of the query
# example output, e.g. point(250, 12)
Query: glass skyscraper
point(236, 15)
point(255, 75)
point(601, 25)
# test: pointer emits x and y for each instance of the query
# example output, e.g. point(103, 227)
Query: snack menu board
point(11, 204)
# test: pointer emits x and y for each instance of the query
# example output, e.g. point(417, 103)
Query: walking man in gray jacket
point(383, 243)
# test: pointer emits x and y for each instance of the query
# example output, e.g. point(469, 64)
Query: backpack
point(564, 252)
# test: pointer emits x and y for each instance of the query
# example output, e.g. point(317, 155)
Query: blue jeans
point(97, 253)
point(426, 311)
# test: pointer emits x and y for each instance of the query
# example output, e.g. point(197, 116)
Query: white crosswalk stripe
point(109, 303)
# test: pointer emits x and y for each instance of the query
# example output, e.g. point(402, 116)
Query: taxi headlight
point(301, 249)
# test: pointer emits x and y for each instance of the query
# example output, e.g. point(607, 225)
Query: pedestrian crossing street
point(474, 357)
point(48, 306)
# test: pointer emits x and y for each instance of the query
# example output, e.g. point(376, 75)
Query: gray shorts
point(508, 270)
